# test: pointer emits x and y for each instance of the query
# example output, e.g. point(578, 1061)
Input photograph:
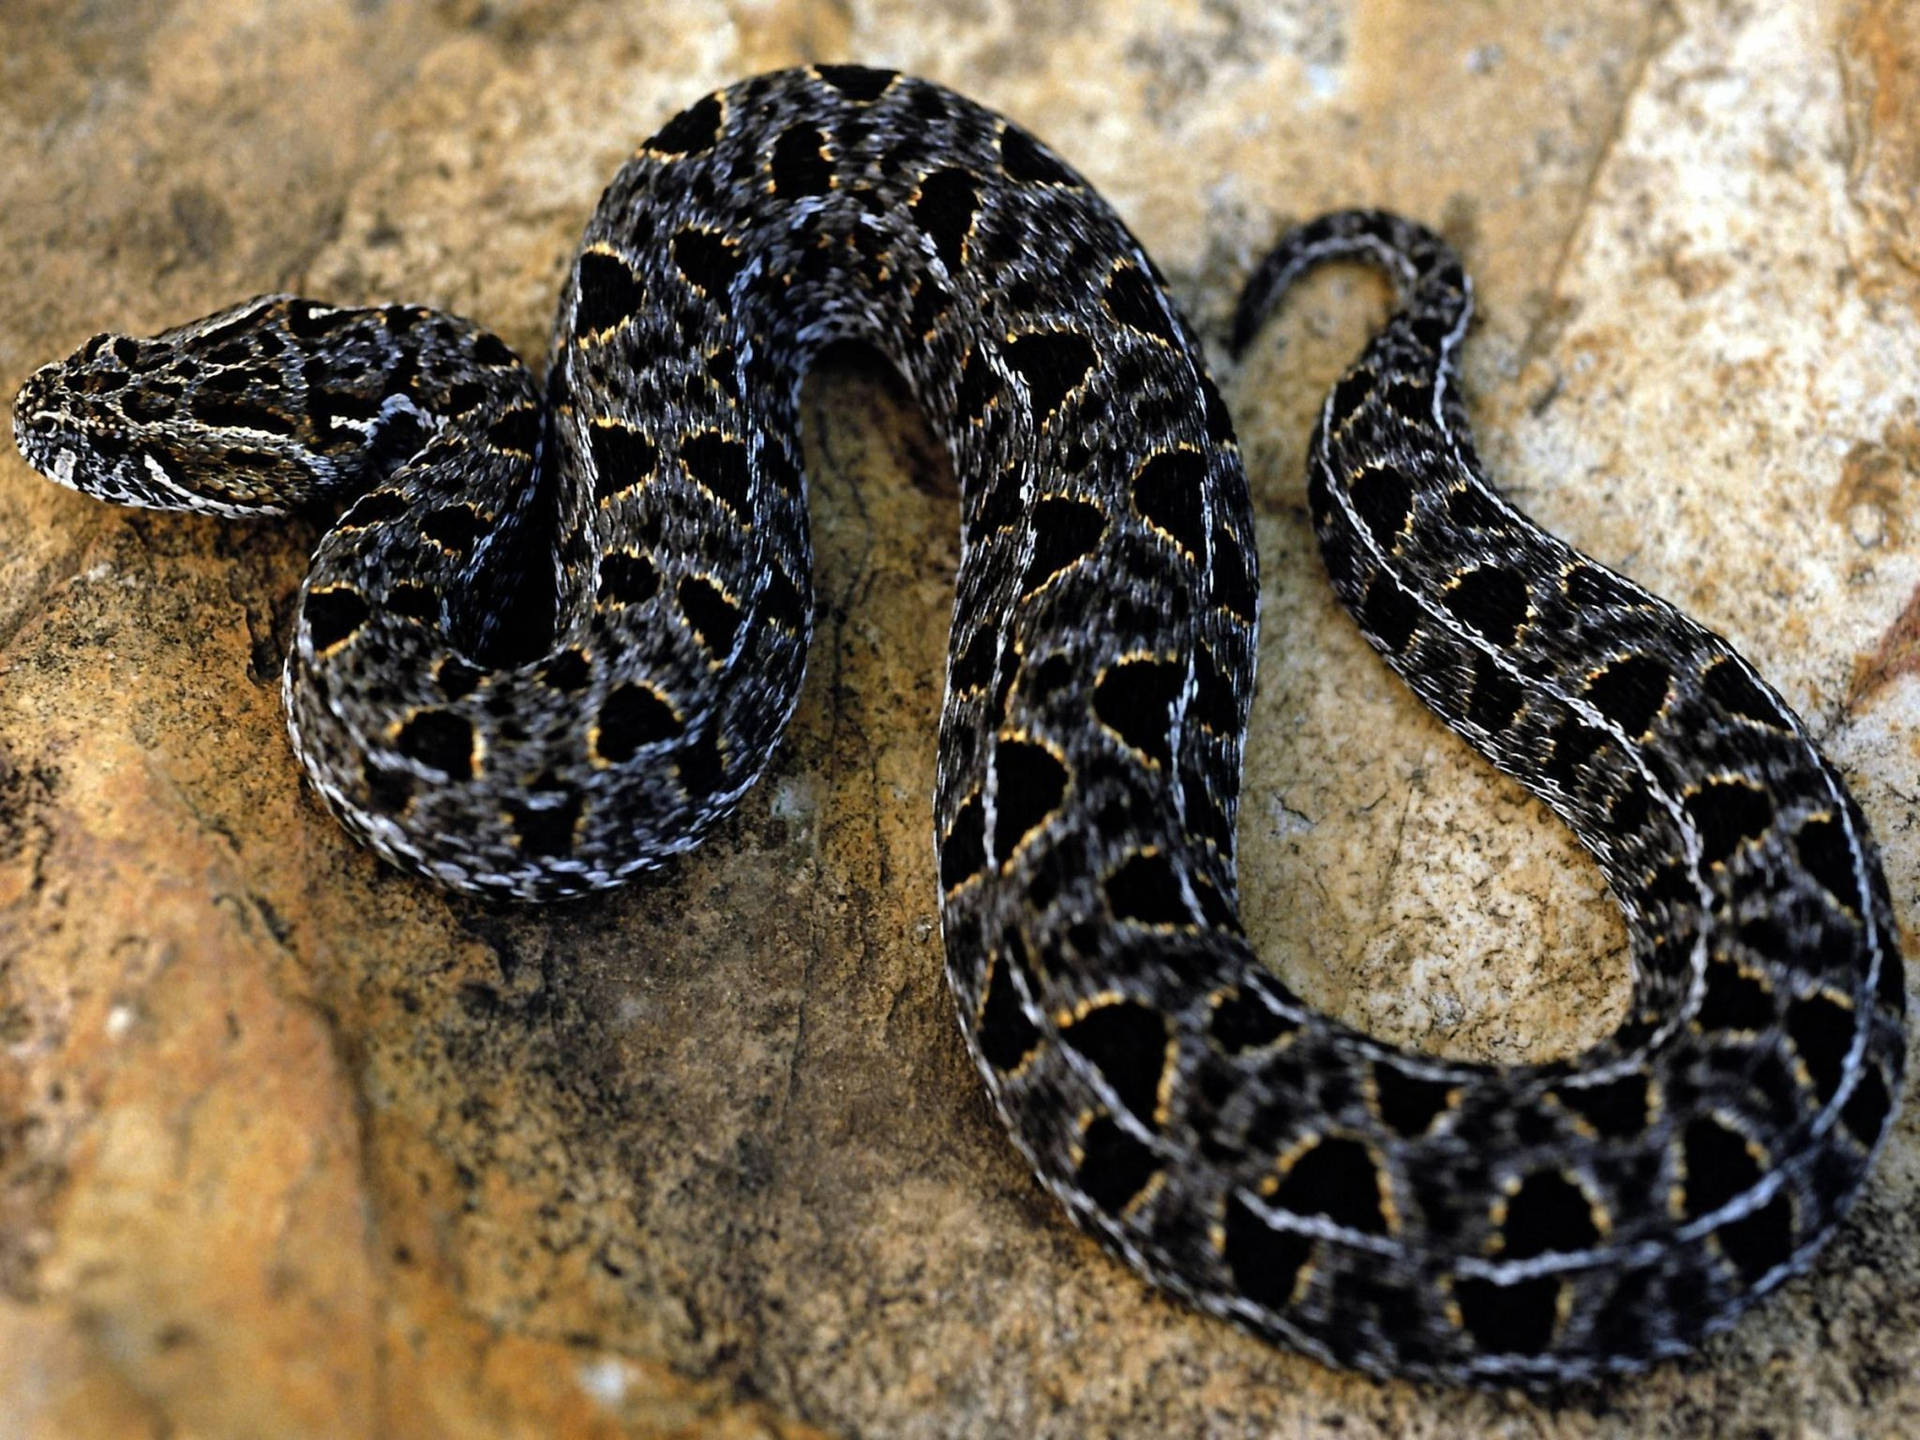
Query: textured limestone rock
point(291, 1144)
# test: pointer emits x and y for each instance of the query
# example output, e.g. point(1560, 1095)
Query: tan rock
point(293, 1145)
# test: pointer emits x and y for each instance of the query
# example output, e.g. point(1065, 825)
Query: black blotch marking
point(1866, 1111)
point(1822, 1031)
point(1338, 1179)
point(859, 83)
point(1265, 1261)
point(627, 579)
point(945, 211)
point(1242, 1021)
point(610, 293)
point(1495, 697)
point(1474, 508)
point(456, 678)
point(105, 382)
point(1006, 1036)
point(440, 740)
point(1733, 1001)
point(782, 601)
point(258, 379)
point(1215, 704)
point(1621, 1325)
point(974, 668)
point(698, 765)
point(1052, 362)
point(1547, 1213)
point(1728, 685)
point(490, 349)
point(1756, 1243)
point(1823, 849)
point(964, 852)
point(310, 321)
point(1026, 160)
point(456, 527)
point(1389, 614)
point(1629, 809)
point(930, 302)
point(1631, 692)
point(239, 415)
point(567, 672)
point(1517, 1319)
point(1144, 889)
point(979, 384)
point(799, 163)
point(1728, 812)
point(1009, 668)
point(1235, 587)
point(333, 616)
point(1383, 496)
point(1409, 1104)
point(1029, 784)
point(1115, 1166)
point(516, 430)
point(1491, 600)
point(399, 435)
point(633, 715)
point(1167, 492)
point(1064, 531)
point(1592, 588)
point(1214, 909)
point(1410, 399)
point(709, 261)
point(622, 458)
point(416, 602)
point(1892, 984)
point(1616, 1109)
point(1135, 699)
point(374, 508)
point(388, 791)
point(1673, 884)
point(721, 466)
point(465, 396)
point(548, 829)
point(1219, 421)
point(713, 616)
point(147, 405)
point(1347, 395)
point(1131, 296)
point(1719, 1166)
point(693, 129)
point(1050, 677)
point(1574, 744)
point(1127, 1043)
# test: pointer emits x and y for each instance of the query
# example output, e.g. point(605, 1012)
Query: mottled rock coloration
point(292, 1144)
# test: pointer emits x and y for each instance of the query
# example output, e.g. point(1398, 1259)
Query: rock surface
point(293, 1145)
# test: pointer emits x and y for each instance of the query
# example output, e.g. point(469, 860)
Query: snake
point(558, 627)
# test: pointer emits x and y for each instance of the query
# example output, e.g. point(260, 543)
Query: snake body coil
point(550, 642)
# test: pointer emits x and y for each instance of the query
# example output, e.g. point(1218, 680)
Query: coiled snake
point(553, 638)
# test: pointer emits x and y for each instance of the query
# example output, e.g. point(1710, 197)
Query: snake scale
point(554, 636)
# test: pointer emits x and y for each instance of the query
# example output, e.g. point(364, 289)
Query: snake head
point(168, 423)
point(68, 425)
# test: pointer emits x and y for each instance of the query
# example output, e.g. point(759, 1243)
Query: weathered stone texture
point(293, 1145)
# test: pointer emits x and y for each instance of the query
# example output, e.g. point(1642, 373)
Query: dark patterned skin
point(550, 643)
